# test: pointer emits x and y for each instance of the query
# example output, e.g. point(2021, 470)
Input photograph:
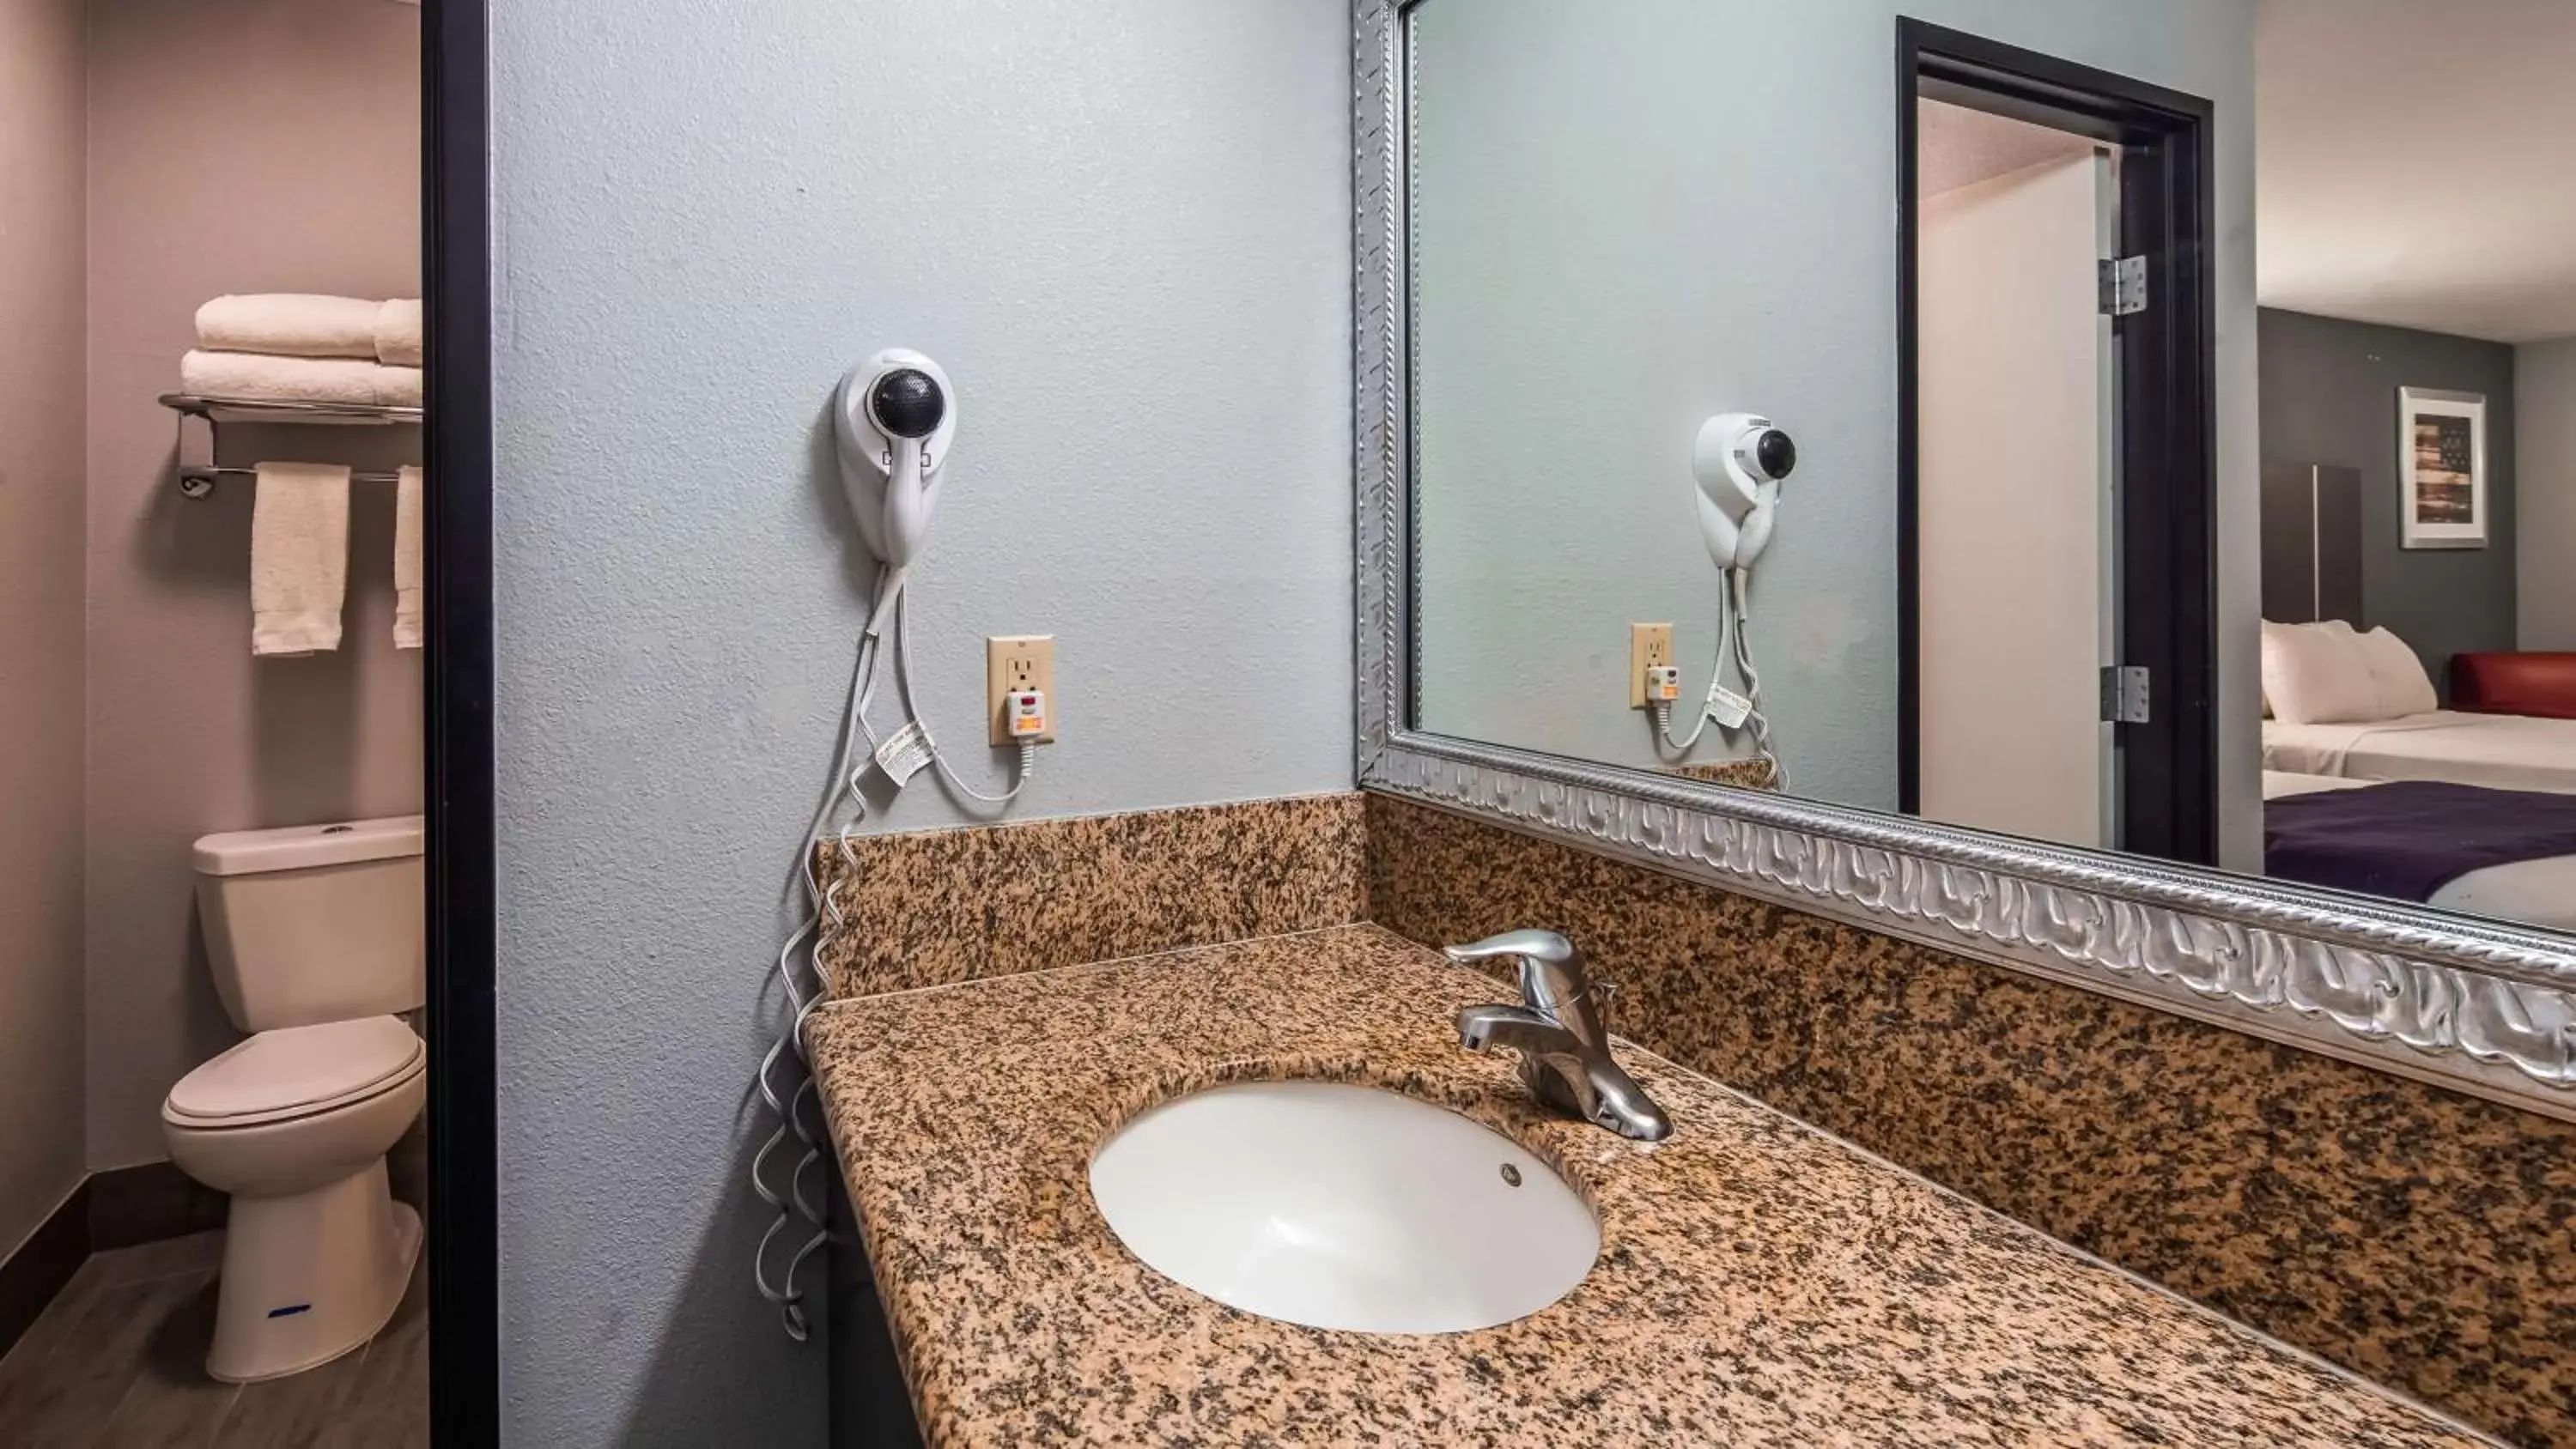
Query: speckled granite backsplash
point(942, 906)
point(1749, 774)
point(2419, 1236)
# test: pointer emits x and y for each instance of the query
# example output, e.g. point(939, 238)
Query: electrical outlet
point(1650, 646)
point(1013, 663)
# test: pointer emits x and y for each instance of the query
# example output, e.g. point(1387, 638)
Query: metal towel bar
point(198, 480)
point(195, 482)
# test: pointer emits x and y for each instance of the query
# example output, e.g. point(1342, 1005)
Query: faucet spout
point(1565, 1055)
point(1517, 1027)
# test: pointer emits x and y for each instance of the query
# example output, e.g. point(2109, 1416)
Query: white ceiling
point(1956, 147)
point(2413, 163)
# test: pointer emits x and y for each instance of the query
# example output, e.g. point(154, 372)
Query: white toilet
point(315, 937)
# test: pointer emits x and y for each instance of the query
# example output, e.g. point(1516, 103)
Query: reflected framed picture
point(2441, 468)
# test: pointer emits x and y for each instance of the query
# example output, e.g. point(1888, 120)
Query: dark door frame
point(2168, 408)
point(464, 1190)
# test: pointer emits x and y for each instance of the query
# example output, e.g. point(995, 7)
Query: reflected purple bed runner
point(2410, 838)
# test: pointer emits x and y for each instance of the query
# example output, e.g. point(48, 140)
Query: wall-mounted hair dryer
point(894, 418)
point(1739, 460)
point(892, 421)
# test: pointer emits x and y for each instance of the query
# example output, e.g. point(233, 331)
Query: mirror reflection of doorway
point(2016, 598)
point(2055, 451)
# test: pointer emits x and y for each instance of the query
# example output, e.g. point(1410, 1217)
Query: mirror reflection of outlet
point(1013, 663)
point(1650, 646)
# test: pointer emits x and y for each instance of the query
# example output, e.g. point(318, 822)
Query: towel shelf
point(198, 480)
point(257, 410)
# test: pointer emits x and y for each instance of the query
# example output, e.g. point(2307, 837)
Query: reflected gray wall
point(2544, 386)
point(41, 145)
point(1646, 213)
point(2330, 396)
point(235, 146)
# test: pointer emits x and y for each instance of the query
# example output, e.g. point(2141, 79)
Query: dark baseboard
point(31, 1276)
point(124, 1206)
point(149, 1202)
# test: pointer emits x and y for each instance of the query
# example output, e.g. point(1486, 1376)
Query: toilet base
point(310, 1276)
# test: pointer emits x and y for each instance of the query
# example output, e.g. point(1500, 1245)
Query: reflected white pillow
point(2317, 674)
point(2397, 676)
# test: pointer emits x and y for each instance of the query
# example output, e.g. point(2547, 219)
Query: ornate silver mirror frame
point(2484, 1008)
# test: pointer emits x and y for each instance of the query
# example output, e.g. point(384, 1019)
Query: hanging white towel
point(299, 557)
point(407, 559)
point(291, 324)
point(398, 332)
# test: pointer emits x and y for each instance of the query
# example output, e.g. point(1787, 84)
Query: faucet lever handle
point(1551, 975)
point(1542, 945)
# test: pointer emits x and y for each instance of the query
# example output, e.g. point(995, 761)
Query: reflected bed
point(2501, 751)
point(2539, 890)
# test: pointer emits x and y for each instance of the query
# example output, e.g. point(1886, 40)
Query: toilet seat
point(297, 1071)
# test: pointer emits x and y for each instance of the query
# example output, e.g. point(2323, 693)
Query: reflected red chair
point(2515, 683)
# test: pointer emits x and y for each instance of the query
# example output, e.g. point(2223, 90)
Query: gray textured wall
point(41, 146)
point(2330, 396)
point(1638, 226)
point(2544, 389)
point(1123, 227)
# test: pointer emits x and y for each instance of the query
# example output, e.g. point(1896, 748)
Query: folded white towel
point(260, 377)
point(398, 332)
point(299, 557)
point(398, 387)
point(407, 559)
point(290, 324)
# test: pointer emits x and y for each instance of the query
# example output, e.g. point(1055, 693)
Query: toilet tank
point(314, 923)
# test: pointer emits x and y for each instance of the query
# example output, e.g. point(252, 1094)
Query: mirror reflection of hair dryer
point(1737, 462)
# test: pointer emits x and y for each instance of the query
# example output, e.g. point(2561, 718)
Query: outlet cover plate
point(1014, 662)
point(1649, 645)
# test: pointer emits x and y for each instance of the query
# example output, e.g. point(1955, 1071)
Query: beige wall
point(235, 146)
point(40, 610)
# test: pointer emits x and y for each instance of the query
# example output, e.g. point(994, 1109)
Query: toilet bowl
point(314, 936)
point(295, 1124)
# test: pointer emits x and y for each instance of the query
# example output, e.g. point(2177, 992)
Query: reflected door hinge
point(2124, 694)
point(2124, 286)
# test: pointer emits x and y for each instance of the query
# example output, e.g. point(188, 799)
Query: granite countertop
point(1760, 1283)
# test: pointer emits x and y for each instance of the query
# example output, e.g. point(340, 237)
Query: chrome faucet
point(1565, 1052)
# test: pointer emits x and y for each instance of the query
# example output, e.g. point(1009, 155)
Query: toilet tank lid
point(301, 847)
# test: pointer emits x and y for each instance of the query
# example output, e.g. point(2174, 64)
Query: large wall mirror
point(2021, 476)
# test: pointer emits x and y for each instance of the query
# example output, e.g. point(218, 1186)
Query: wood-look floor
point(119, 1359)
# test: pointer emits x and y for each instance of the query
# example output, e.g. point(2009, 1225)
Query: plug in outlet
point(1650, 646)
point(1017, 664)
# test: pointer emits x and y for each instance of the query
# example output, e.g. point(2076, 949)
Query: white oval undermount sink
point(1340, 1206)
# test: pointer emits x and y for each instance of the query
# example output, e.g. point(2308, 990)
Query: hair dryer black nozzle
point(907, 403)
point(1775, 453)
